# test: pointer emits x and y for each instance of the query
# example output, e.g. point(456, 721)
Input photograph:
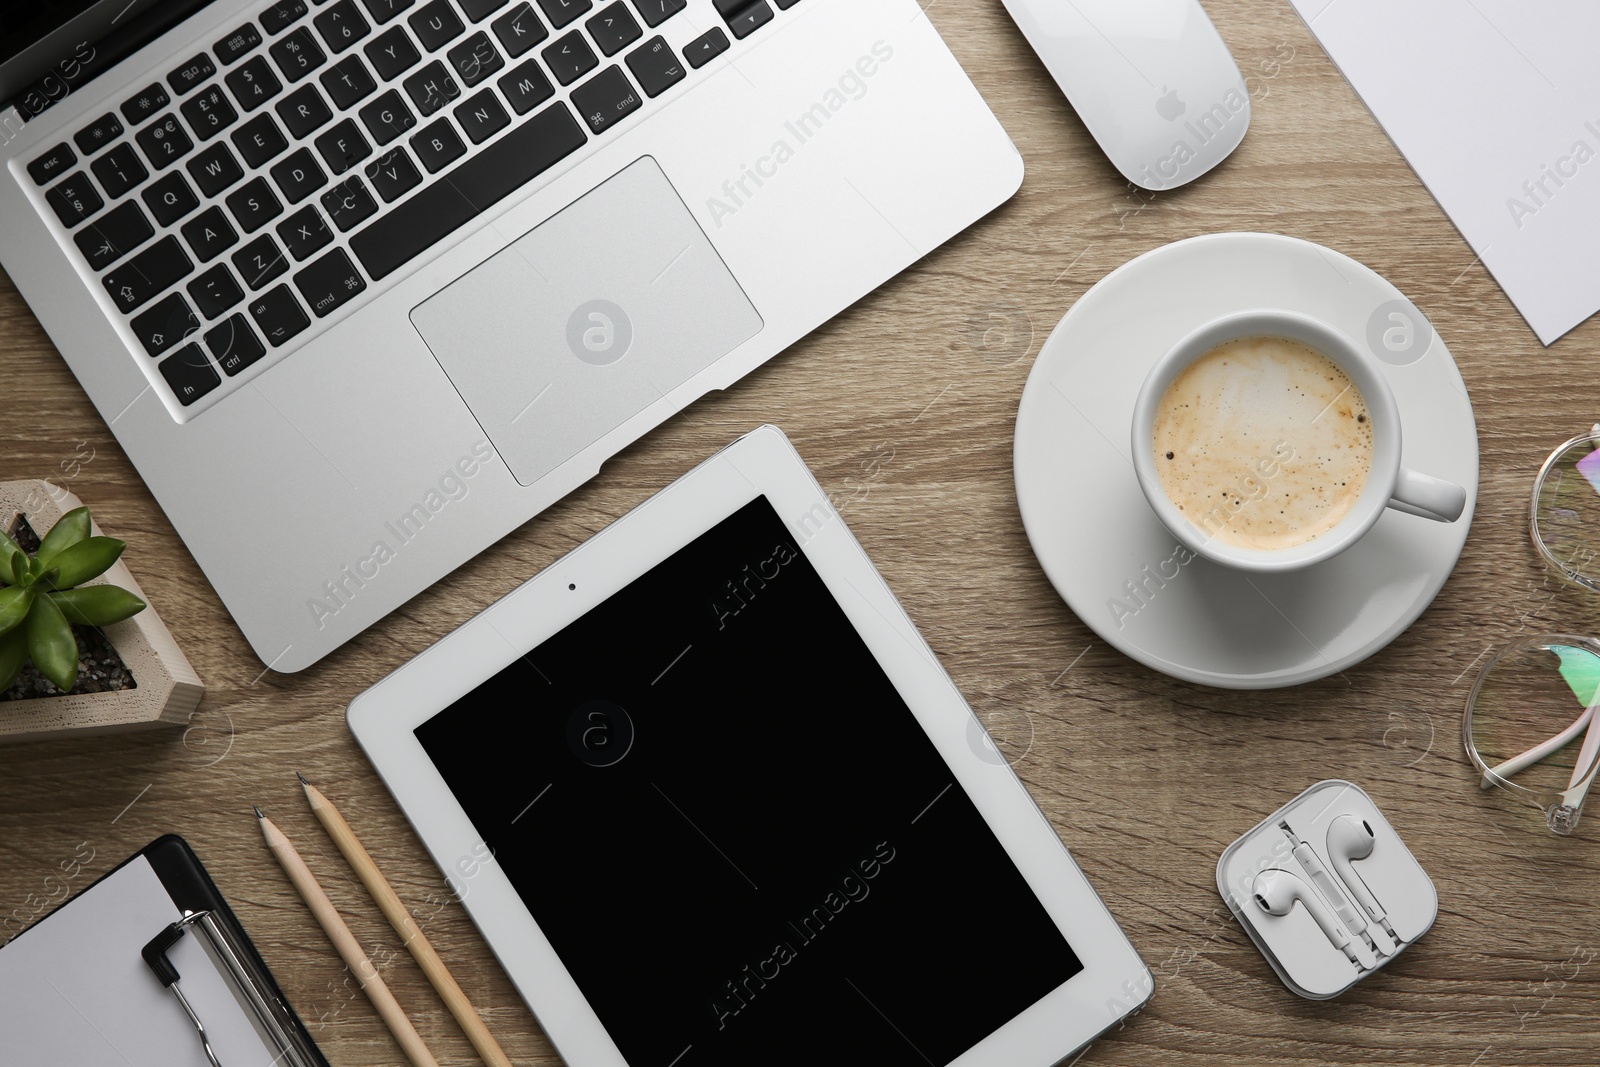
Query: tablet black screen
point(733, 830)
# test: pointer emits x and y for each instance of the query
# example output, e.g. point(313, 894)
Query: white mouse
point(1152, 80)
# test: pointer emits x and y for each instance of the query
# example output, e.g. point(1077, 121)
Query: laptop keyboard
point(265, 185)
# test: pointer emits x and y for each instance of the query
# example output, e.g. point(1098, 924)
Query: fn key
point(329, 282)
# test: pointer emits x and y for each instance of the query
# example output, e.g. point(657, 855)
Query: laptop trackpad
point(586, 320)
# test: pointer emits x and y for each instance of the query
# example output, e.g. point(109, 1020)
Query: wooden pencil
point(399, 917)
point(349, 948)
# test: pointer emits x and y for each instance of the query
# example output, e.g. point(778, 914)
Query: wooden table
point(905, 413)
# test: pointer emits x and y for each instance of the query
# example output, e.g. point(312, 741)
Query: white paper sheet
point(75, 992)
point(1496, 106)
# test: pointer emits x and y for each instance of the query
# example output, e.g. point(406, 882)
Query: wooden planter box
point(166, 688)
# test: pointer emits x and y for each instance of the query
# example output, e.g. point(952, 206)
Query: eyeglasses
point(1564, 518)
point(1530, 702)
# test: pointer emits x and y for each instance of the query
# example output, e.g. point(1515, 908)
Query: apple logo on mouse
point(1168, 106)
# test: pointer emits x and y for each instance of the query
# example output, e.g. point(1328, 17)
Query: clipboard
point(147, 967)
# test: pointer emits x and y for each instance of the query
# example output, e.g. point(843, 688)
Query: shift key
point(329, 282)
point(147, 274)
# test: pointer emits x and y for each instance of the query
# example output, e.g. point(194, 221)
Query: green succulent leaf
point(19, 568)
point(69, 529)
point(97, 605)
point(87, 559)
point(15, 603)
point(51, 644)
point(13, 654)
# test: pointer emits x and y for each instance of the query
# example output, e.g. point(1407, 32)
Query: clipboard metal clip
point(155, 955)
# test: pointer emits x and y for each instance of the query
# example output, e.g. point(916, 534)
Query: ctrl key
point(189, 373)
point(278, 315)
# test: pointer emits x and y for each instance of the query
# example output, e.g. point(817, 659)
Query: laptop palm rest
point(586, 320)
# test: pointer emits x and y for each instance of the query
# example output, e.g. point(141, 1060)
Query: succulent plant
point(39, 602)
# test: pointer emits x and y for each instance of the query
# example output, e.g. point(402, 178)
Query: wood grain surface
point(905, 412)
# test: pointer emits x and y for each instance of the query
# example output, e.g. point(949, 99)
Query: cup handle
point(1432, 498)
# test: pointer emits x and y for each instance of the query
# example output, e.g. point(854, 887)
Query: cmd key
point(329, 282)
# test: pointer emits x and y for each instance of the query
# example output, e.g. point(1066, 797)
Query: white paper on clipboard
point(75, 991)
point(1496, 106)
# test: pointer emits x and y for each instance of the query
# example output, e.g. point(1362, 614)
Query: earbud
point(1350, 837)
point(1276, 891)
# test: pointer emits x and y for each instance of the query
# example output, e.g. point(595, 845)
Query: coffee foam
point(1263, 443)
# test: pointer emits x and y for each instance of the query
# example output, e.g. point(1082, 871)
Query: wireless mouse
point(1152, 80)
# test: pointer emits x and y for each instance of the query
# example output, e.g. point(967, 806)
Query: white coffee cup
point(1388, 485)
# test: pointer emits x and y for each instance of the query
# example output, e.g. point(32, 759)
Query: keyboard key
point(167, 324)
point(99, 133)
point(74, 199)
point(329, 282)
point(706, 47)
point(232, 48)
point(278, 315)
point(209, 234)
point(656, 12)
point(655, 67)
point(749, 18)
point(393, 175)
point(526, 87)
point(519, 30)
point(384, 10)
point(297, 54)
point(234, 344)
point(138, 108)
point(342, 25)
point(784, 5)
point(474, 59)
point(254, 205)
point(254, 83)
point(614, 28)
point(147, 274)
point(164, 142)
point(436, 25)
point(299, 175)
point(304, 232)
point(189, 76)
point(393, 54)
point(303, 111)
point(431, 88)
point(561, 12)
point(114, 235)
point(438, 146)
point(349, 204)
point(282, 15)
point(215, 291)
point(435, 211)
point(209, 112)
point(478, 10)
point(481, 116)
point(605, 99)
point(259, 140)
point(170, 199)
point(260, 261)
point(50, 166)
point(189, 373)
point(387, 117)
point(215, 169)
point(570, 58)
point(343, 146)
point(119, 170)
point(347, 82)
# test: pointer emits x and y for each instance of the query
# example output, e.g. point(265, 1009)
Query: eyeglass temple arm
point(1549, 748)
point(1584, 772)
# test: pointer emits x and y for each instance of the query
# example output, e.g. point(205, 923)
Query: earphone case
point(1296, 947)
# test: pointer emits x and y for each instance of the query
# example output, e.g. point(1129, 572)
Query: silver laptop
point(363, 285)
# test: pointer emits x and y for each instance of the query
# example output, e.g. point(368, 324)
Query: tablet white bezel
point(1114, 981)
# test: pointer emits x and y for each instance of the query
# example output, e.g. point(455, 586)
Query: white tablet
point(712, 801)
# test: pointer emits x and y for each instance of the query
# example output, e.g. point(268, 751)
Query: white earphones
point(1275, 892)
point(1351, 838)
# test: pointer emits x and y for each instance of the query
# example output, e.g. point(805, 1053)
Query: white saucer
point(1095, 534)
